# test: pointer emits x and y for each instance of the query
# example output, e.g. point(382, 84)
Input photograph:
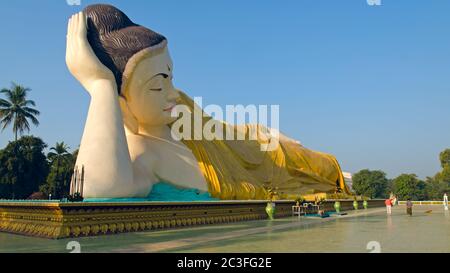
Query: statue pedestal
point(67, 220)
point(71, 220)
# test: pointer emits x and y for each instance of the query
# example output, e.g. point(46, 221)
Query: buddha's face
point(150, 95)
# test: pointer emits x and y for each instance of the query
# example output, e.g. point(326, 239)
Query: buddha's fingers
point(68, 45)
point(75, 25)
point(72, 28)
point(68, 28)
point(70, 42)
point(82, 34)
point(82, 25)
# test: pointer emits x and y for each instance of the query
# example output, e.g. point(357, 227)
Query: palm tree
point(59, 154)
point(16, 109)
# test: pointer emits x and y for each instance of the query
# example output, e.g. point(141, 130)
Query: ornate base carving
point(63, 220)
point(67, 220)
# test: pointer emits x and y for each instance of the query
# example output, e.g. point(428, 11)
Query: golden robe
point(239, 170)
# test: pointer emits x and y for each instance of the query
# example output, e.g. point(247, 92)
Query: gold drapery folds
point(240, 170)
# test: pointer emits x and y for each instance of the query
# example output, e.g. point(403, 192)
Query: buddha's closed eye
point(156, 82)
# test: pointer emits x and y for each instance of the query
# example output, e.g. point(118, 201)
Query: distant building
point(348, 180)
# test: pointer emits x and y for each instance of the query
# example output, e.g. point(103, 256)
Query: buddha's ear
point(129, 119)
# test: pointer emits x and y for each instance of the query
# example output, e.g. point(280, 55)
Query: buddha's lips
point(170, 108)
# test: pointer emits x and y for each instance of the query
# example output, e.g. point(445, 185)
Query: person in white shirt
point(445, 201)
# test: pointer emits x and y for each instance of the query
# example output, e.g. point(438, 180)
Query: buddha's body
point(168, 161)
point(127, 145)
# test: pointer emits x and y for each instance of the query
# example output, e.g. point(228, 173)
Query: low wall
point(441, 203)
point(65, 220)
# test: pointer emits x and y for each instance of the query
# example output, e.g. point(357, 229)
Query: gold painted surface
point(239, 170)
point(56, 221)
point(68, 220)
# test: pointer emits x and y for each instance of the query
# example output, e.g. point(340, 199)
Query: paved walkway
point(425, 232)
point(294, 222)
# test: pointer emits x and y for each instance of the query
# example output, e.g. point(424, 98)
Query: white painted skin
point(118, 162)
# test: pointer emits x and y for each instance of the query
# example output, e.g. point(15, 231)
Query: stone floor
point(359, 231)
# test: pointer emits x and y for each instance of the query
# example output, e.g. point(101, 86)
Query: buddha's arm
point(104, 150)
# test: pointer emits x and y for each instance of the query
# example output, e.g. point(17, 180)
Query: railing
point(420, 203)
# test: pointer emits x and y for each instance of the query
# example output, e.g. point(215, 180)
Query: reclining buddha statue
point(127, 146)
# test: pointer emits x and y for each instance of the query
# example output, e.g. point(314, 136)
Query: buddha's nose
point(173, 94)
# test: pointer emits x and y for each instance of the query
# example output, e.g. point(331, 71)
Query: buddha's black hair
point(115, 38)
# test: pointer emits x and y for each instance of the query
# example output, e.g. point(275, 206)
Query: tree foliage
point(23, 168)
point(436, 189)
point(17, 110)
point(373, 184)
point(445, 158)
point(408, 186)
point(440, 183)
point(61, 169)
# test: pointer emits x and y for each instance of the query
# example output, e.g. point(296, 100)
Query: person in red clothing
point(388, 203)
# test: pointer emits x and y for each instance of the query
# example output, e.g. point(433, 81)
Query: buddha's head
point(141, 64)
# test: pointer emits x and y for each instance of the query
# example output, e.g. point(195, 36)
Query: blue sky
point(368, 84)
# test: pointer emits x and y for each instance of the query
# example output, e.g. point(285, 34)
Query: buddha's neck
point(156, 131)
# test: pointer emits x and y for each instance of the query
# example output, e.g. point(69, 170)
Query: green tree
point(373, 184)
point(23, 168)
point(444, 175)
point(445, 158)
point(61, 169)
point(408, 186)
point(16, 110)
point(436, 188)
point(440, 183)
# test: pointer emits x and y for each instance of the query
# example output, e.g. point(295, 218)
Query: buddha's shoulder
point(142, 144)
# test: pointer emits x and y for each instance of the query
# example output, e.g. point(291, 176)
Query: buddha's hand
point(81, 59)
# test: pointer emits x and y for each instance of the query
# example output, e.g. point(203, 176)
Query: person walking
point(388, 204)
point(445, 201)
point(409, 206)
point(394, 200)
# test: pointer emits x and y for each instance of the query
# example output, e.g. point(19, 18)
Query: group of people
point(393, 201)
